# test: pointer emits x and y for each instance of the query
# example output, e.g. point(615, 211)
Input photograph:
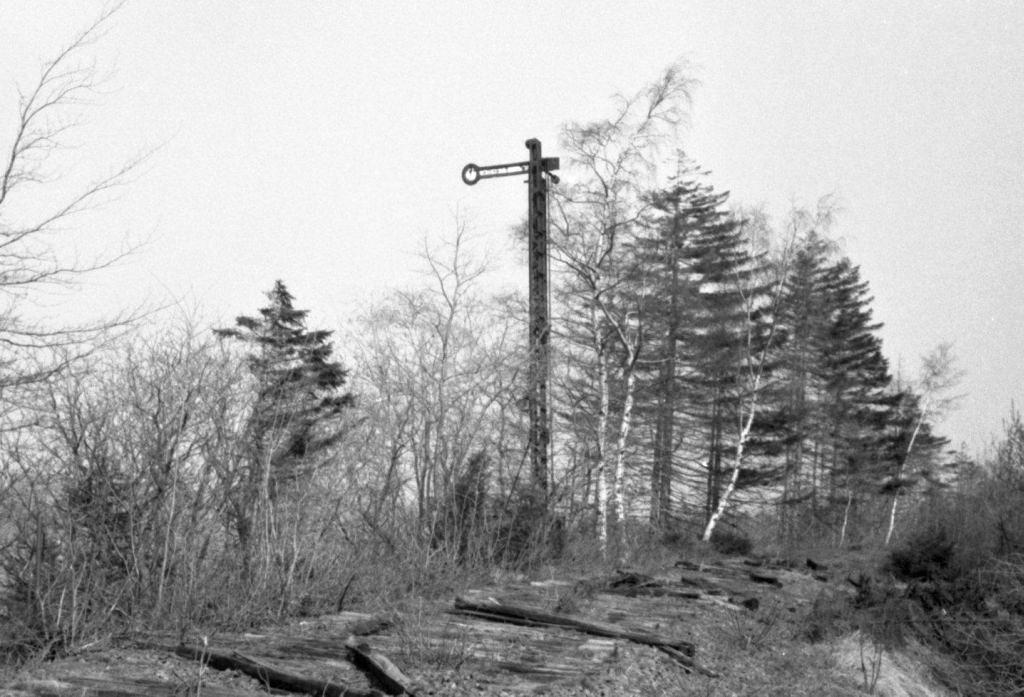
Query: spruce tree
point(300, 399)
point(841, 417)
point(805, 315)
point(701, 282)
point(723, 340)
point(858, 405)
point(675, 215)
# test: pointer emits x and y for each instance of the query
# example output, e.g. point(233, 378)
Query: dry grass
point(422, 644)
point(787, 670)
point(905, 672)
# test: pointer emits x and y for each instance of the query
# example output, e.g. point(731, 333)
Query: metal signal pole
point(540, 295)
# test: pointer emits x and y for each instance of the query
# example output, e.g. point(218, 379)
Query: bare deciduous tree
point(35, 213)
point(440, 379)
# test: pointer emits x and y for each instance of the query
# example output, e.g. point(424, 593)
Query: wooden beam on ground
point(271, 677)
point(682, 651)
point(380, 669)
point(768, 579)
point(632, 584)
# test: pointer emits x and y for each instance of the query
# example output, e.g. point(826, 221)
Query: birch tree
point(760, 335)
point(939, 375)
point(614, 161)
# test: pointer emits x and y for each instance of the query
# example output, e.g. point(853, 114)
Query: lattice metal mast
point(540, 295)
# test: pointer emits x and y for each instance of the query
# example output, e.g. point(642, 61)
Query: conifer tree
point(675, 216)
point(705, 298)
point(805, 316)
point(300, 400)
point(728, 293)
point(843, 422)
point(858, 405)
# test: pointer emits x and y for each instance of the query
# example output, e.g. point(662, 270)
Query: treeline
point(710, 361)
point(710, 373)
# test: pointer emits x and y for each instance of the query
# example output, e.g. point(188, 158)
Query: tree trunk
point(620, 447)
point(723, 501)
point(664, 435)
point(846, 517)
point(711, 496)
point(602, 431)
point(660, 483)
point(899, 473)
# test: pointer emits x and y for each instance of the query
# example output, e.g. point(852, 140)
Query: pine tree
point(300, 401)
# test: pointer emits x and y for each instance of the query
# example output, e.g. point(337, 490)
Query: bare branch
point(30, 257)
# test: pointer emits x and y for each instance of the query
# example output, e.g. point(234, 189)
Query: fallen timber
point(374, 664)
point(680, 650)
point(269, 676)
point(633, 584)
point(768, 579)
point(380, 668)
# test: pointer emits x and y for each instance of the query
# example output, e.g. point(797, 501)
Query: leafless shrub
point(964, 561)
point(871, 654)
point(987, 639)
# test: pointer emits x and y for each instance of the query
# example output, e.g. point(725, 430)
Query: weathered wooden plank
point(769, 579)
point(705, 584)
point(269, 676)
point(680, 650)
point(519, 614)
point(632, 584)
point(380, 668)
point(82, 686)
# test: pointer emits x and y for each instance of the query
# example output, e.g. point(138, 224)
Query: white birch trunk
point(846, 518)
point(754, 375)
point(723, 501)
point(602, 431)
point(620, 445)
point(602, 510)
point(628, 375)
point(899, 473)
point(602, 475)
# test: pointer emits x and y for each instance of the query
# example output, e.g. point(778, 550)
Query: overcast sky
point(319, 142)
